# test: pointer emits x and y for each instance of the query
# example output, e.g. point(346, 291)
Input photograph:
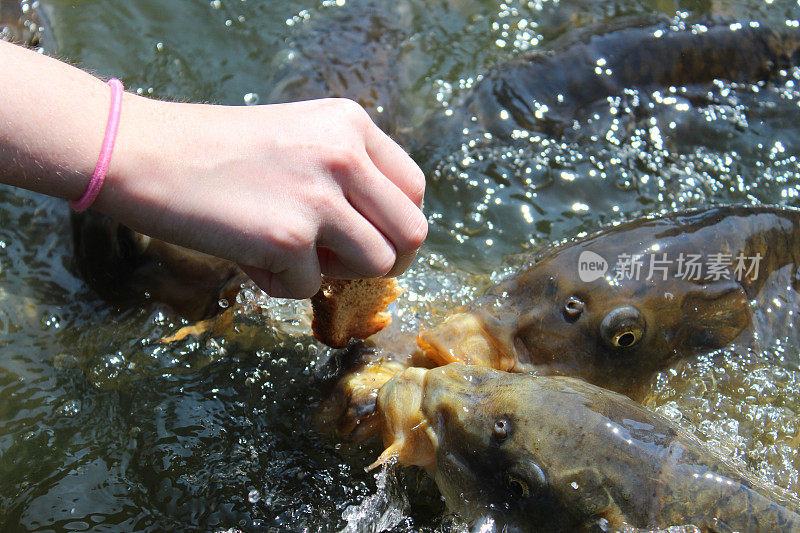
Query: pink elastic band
point(101, 169)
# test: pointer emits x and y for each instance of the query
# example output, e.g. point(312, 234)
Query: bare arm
point(289, 191)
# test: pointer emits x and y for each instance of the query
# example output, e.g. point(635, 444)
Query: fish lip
point(473, 337)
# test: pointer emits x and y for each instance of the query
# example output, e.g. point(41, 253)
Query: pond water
point(103, 429)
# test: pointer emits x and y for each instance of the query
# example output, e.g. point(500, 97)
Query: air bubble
point(69, 409)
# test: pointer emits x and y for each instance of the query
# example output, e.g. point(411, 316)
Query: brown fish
point(128, 268)
point(534, 453)
point(663, 289)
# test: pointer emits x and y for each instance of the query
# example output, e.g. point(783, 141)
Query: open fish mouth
point(474, 338)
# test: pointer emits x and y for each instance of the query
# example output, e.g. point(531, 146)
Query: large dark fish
point(545, 89)
point(128, 268)
point(353, 52)
point(527, 453)
point(591, 308)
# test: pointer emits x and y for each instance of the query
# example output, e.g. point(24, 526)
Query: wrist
point(106, 150)
point(139, 176)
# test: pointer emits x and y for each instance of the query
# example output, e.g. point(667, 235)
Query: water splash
point(380, 511)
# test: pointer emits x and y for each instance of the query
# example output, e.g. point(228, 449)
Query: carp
point(667, 288)
point(128, 268)
point(534, 453)
point(543, 90)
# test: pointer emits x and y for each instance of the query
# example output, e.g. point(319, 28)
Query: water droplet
point(251, 99)
point(223, 303)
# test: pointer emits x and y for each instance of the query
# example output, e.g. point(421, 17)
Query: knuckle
point(353, 110)
point(344, 161)
point(293, 239)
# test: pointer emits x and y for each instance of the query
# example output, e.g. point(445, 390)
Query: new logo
point(591, 266)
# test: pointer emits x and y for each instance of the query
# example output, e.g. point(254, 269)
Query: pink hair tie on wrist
point(104, 160)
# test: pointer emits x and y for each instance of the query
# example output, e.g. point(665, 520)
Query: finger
point(401, 265)
point(301, 280)
point(333, 267)
point(357, 244)
point(387, 208)
point(266, 281)
point(394, 163)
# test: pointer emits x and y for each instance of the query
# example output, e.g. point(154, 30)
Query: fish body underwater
point(536, 453)
point(543, 90)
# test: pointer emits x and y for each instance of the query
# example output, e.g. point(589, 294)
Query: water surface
point(102, 429)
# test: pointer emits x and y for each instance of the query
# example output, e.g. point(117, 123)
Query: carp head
point(610, 329)
point(522, 452)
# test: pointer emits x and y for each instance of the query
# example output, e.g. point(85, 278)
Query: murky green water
point(102, 429)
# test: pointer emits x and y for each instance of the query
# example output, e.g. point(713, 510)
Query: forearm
point(52, 121)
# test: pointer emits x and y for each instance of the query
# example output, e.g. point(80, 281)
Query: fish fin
point(391, 454)
point(217, 325)
point(720, 311)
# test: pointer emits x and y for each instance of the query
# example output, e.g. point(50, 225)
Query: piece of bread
point(352, 309)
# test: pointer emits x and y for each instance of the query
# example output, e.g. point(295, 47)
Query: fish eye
point(524, 478)
point(573, 307)
point(623, 327)
point(518, 487)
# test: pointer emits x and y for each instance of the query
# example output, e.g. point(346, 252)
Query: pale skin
point(288, 191)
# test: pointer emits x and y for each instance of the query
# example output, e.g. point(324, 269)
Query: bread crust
point(352, 309)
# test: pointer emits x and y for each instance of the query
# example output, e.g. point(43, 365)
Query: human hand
point(288, 191)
